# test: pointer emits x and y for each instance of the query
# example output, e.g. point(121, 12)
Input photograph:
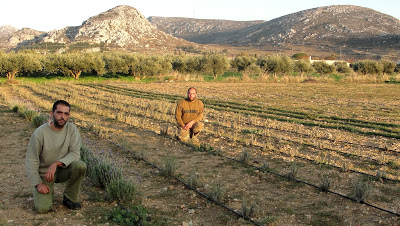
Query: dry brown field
point(299, 153)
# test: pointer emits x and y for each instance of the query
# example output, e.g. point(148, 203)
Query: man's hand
point(189, 125)
point(42, 188)
point(52, 169)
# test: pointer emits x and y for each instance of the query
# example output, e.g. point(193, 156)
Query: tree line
point(73, 64)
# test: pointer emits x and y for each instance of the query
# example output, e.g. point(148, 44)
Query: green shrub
point(361, 189)
point(29, 114)
point(294, 169)
point(303, 66)
point(39, 120)
point(169, 168)
point(249, 209)
point(325, 183)
point(100, 170)
point(217, 192)
point(106, 172)
point(388, 66)
point(135, 215)
point(193, 179)
point(121, 191)
point(323, 68)
point(265, 166)
point(368, 67)
point(16, 108)
point(342, 67)
point(276, 65)
point(244, 156)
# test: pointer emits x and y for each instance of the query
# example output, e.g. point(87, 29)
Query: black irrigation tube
point(315, 162)
point(343, 142)
point(258, 168)
point(339, 152)
point(268, 171)
point(337, 167)
point(306, 183)
point(245, 110)
point(345, 154)
point(262, 170)
point(192, 188)
point(326, 164)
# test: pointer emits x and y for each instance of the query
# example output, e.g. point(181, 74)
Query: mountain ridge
point(319, 29)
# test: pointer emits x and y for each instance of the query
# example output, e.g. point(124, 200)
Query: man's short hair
point(63, 102)
point(191, 88)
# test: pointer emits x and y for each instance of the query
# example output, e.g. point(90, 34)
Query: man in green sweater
point(53, 157)
point(188, 114)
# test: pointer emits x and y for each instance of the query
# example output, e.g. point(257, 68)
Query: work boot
point(195, 141)
point(71, 205)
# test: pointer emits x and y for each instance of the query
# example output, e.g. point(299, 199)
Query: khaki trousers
point(74, 174)
point(184, 135)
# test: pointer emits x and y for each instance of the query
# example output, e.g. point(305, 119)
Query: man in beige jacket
point(53, 157)
point(188, 114)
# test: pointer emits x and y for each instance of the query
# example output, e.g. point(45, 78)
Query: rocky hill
point(121, 27)
point(198, 30)
point(353, 29)
point(10, 37)
point(336, 24)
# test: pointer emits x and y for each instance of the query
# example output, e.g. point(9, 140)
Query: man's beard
point(58, 125)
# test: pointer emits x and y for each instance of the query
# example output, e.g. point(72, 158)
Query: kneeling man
point(188, 114)
point(53, 157)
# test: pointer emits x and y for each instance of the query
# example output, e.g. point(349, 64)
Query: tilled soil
point(278, 201)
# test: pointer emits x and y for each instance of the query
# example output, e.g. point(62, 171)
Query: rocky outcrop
point(121, 27)
point(198, 30)
point(6, 31)
point(11, 37)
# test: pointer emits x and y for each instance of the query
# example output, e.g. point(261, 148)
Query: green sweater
point(47, 146)
point(187, 111)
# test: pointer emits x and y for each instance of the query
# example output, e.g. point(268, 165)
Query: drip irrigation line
point(328, 139)
point(194, 189)
point(345, 154)
point(354, 171)
point(223, 105)
point(277, 174)
point(327, 164)
point(206, 196)
point(309, 184)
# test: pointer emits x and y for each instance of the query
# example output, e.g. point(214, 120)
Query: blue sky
point(46, 15)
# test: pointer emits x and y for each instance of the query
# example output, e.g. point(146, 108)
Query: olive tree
point(388, 66)
point(342, 67)
point(214, 64)
point(243, 63)
point(73, 64)
point(276, 64)
point(303, 66)
point(368, 67)
point(115, 62)
point(154, 65)
point(13, 63)
point(323, 68)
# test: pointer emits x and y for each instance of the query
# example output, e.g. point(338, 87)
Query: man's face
point(60, 115)
point(192, 94)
